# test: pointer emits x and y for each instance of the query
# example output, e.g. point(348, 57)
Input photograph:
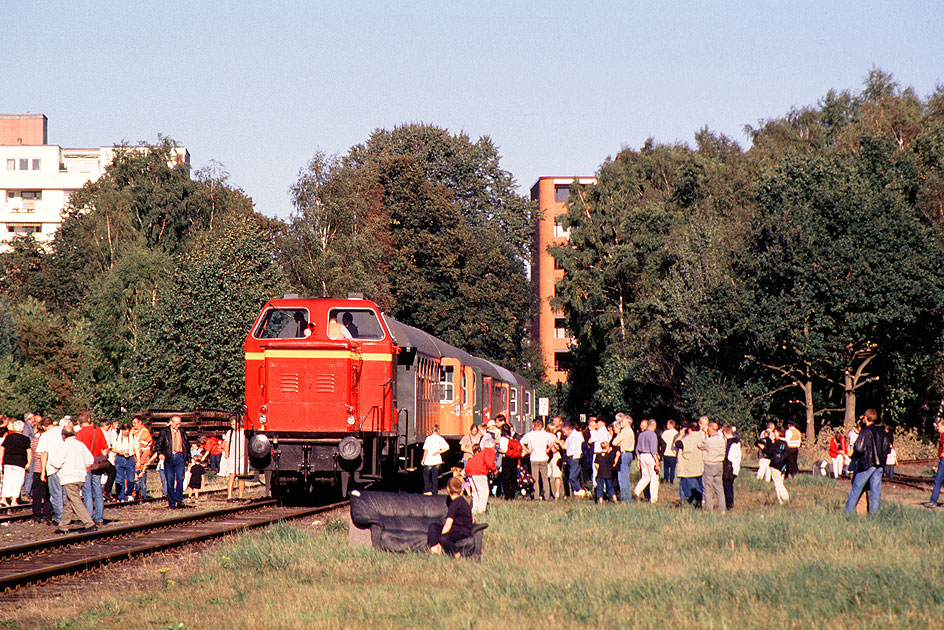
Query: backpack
point(779, 459)
point(514, 448)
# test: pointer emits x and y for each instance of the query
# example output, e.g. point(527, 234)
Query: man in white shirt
point(598, 435)
point(537, 443)
point(573, 448)
point(670, 457)
point(72, 462)
point(433, 449)
point(49, 444)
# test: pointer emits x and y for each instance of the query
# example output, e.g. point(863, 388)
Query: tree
point(838, 268)
point(426, 224)
point(192, 351)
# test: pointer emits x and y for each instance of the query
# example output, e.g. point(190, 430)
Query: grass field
point(573, 564)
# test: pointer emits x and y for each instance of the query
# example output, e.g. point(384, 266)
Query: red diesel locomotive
point(338, 392)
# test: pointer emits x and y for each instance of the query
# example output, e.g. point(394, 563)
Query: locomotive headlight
point(351, 420)
point(350, 448)
point(262, 419)
point(259, 446)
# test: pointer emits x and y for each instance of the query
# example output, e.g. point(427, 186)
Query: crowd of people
point(69, 469)
point(595, 460)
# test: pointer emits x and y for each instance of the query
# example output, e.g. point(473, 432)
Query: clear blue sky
point(559, 86)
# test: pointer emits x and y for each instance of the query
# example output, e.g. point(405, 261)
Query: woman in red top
point(477, 468)
point(837, 453)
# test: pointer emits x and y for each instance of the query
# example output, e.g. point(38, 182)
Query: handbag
point(100, 463)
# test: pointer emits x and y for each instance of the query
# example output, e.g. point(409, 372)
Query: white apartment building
point(36, 179)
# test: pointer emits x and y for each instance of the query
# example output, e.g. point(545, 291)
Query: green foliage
point(763, 282)
point(192, 354)
point(426, 224)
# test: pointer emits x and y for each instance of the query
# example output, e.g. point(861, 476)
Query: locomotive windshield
point(283, 323)
point(349, 323)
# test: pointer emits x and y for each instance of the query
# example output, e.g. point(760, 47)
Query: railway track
point(18, 513)
point(36, 561)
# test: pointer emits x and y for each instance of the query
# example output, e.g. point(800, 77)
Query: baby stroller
point(525, 482)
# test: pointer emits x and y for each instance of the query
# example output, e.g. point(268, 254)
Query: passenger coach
point(338, 392)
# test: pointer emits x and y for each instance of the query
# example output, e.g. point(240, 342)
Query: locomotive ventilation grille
point(289, 384)
point(324, 384)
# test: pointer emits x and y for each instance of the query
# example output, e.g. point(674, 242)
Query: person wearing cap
point(173, 448)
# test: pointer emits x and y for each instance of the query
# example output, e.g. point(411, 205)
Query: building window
point(24, 165)
point(36, 164)
point(562, 361)
point(32, 194)
point(561, 193)
point(560, 328)
point(11, 165)
point(446, 386)
point(559, 230)
point(25, 229)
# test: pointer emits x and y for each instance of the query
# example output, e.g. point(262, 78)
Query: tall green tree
point(191, 355)
point(428, 225)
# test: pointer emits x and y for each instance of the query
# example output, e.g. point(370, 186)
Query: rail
point(36, 561)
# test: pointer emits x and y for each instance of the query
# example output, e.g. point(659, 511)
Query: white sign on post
point(544, 406)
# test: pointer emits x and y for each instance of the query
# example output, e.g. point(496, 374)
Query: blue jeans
point(871, 476)
point(214, 462)
point(938, 481)
point(124, 476)
point(140, 486)
point(174, 468)
point(55, 496)
point(573, 474)
point(626, 462)
point(668, 473)
point(605, 486)
point(92, 496)
point(690, 490)
point(27, 488)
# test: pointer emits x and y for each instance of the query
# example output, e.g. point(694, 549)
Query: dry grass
point(573, 564)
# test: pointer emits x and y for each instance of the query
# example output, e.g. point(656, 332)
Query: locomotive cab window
point(284, 323)
point(351, 323)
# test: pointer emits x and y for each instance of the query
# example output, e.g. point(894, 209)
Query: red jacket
point(835, 448)
point(481, 463)
point(940, 447)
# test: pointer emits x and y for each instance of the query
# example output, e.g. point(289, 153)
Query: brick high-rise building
point(548, 327)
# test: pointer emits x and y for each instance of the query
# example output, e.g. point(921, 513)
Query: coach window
point(446, 384)
point(352, 323)
point(513, 401)
point(284, 323)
